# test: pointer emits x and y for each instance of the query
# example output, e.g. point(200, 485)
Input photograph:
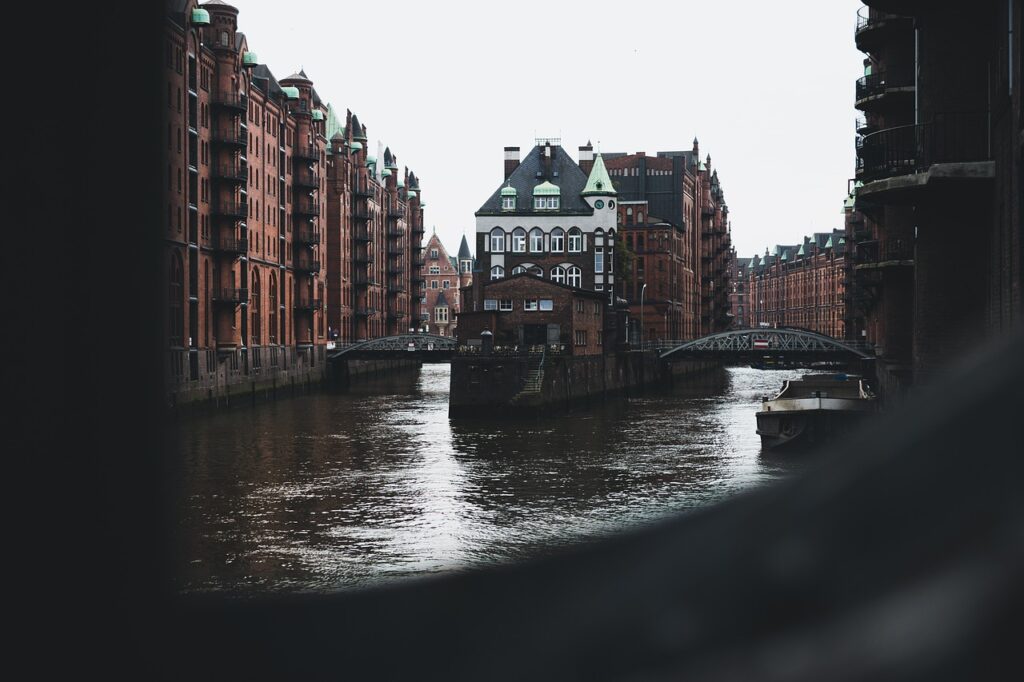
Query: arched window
point(558, 274)
point(175, 298)
point(272, 296)
point(518, 240)
point(497, 272)
point(497, 240)
point(557, 240)
point(536, 271)
point(536, 240)
point(254, 306)
point(518, 269)
point(575, 240)
point(574, 277)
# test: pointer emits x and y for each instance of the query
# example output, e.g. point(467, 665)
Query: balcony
point(360, 233)
point(396, 212)
point(875, 27)
point(309, 305)
point(396, 288)
point(862, 126)
point(362, 280)
point(361, 214)
point(395, 250)
point(304, 177)
point(231, 209)
point(309, 266)
point(948, 138)
point(395, 233)
point(363, 191)
point(881, 91)
point(230, 101)
point(306, 153)
point(395, 315)
point(307, 209)
point(307, 237)
point(904, 7)
point(417, 277)
point(229, 137)
point(361, 257)
point(365, 311)
point(231, 297)
point(880, 254)
point(416, 229)
point(418, 262)
point(395, 270)
point(232, 245)
point(236, 173)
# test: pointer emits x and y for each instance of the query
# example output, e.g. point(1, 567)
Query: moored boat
point(813, 409)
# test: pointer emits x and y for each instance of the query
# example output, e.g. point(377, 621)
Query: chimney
point(587, 157)
point(511, 160)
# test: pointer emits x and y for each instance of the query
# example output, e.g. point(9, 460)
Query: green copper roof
point(801, 251)
point(842, 240)
point(386, 173)
point(291, 92)
point(509, 191)
point(599, 182)
point(200, 17)
point(401, 183)
point(785, 255)
point(370, 160)
point(828, 244)
point(356, 146)
point(250, 58)
point(411, 194)
point(334, 126)
point(702, 167)
point(546, 189)
point(318, 115)
point(423, 204)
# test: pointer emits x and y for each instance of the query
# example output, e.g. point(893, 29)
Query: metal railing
point(306, 265)
point(232, 296)
point(947, 138)
point(307, 237)
point(230, 137)
point(311, 304)
point(232, 101)
point(524, 351)
point(306, 152)
point(306, 208)
point(868, 18)
point(877, 83)
point(238, 173)
point(231, 244)
point(235, 209)
point(303, 177)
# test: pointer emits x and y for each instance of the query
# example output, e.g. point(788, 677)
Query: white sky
point(766, 87)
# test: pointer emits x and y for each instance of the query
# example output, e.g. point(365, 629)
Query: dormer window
point(508, 203)
point(546, 197)
point(545, 203)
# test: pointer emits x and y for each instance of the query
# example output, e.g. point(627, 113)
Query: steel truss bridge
point(428, 347)
point(788, 343)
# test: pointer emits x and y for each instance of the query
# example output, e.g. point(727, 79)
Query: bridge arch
point(779, 340)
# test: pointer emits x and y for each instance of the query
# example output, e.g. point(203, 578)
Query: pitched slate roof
point(464, 253)
point(570, 179)
point(273, 88)
point(599, 182)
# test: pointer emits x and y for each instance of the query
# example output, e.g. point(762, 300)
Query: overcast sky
point(767, 88)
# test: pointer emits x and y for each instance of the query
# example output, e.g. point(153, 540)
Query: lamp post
point(642, 290)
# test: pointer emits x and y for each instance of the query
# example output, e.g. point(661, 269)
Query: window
point(497, 241)
point(575, 240)
point(580, 306)
point(581, 337)
point(519, 240)
point(574, 277)
point(467, 266)
point(545, 203)
point(536, 271)
point(433, 284)
point(497, 272)
point(518, 269)
point(599, 337)
point(445, 284)
point(505, 304)
point(254, 306)
point(490, 304)
point(433, 254)
point(536, 240)
point(441, 314)
point(558, 274)
point(598, 259)
point(435, 270)
point(508, 203)
point(557, 240)
point(530, 304)
point(547, 304)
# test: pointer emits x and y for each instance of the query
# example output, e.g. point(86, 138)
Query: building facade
point(254, 205)
point(677, 239)
point(556, 224)
point(739, 295)
point(936, 215)
point(800, 285)
point(444, 276)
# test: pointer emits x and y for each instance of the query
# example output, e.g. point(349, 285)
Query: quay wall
point(482, 385)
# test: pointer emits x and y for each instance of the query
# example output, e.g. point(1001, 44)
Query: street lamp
point(642, 289)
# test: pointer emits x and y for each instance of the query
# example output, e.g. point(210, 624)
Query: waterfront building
point(677, 238)
point(936, 216)
point(556, 224)
point(258, 214)
point(738, 295)
point(441, 299)
point(800, 285)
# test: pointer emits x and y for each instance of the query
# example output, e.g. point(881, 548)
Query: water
point(332, 491)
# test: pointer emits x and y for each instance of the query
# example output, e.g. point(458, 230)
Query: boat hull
point(808, 422)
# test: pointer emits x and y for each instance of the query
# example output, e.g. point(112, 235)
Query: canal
point(339, 490)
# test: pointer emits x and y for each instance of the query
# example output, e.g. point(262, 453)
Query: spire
point(599, 181)
point(464, 253)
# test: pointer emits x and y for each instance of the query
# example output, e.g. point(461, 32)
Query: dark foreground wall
point(484, 385)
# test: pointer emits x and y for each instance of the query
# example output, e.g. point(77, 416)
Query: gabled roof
point(570, 180)
point(540, 282)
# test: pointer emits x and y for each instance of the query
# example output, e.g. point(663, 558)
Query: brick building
point(248, 213)
point(936, 216)
point(675, 224)
point(555, 223)
point(738, 295)
point(443, 276)
point(800, 285)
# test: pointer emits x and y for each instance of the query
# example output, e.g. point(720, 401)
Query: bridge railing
point(517, 350)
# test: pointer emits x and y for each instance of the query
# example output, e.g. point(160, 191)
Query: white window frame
point(536, 240)
point(547, 304)
point(519, 240)
point(490, 304)
point(574, 273)
point(557, 240)
point(497, 272)
point(558, 274)
point(575, 237)
point(530, 304)
point(497, 240)
point(508, 203)
point(505, 304)
point(598, 259)
point(435, 270)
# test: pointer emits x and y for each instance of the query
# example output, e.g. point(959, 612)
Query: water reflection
point(335, 490)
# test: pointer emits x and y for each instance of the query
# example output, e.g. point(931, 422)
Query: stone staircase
point(534, 380)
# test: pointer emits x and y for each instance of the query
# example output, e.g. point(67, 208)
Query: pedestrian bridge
point(426, 347)
point(751, 343)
